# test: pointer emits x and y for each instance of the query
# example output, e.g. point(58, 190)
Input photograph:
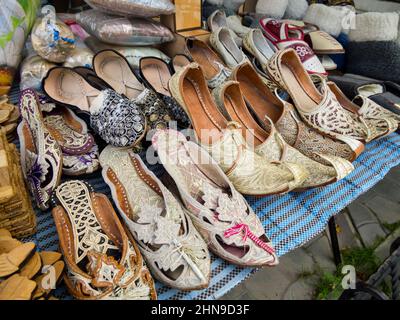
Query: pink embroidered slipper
point(283, 35)
point(220, 213)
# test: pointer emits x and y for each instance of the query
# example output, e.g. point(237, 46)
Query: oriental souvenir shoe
point(218, 20)
point(80, 152)
point(256, 44)
point(102, 261)
point(114, 69)
point(270, 144)
point(223, 43)
point(156, 73)
point(249, 172)
point(41, 155)
point(221, 215)
point(319, 109)
point(283, 36)
point(379, 122)
point(116, 119)
point(263, 103)
point(215, 71)
point(173, 249)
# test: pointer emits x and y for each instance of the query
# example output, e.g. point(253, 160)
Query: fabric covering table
point(290, 220)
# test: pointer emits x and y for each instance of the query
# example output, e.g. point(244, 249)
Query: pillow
point(123, 31)
point(375, 26)
point(132, 54)
point(272, 8)
point(135, 8)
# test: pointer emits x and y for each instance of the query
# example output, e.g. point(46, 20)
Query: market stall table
point(290, 220)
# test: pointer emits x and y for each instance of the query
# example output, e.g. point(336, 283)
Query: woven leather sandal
point(102, 261)
point(174, 251)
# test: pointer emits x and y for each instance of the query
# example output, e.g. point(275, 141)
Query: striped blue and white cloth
point(290, 220)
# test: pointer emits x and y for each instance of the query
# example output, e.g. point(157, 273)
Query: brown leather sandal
point(102, 261)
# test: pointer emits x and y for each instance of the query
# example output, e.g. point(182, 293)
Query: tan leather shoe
point(214, 68)
point(262, 102)
point(224, 141)
point(102, 261)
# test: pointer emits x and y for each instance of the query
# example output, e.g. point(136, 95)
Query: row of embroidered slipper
point(104, 258)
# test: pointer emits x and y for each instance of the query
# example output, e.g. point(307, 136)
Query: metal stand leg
point(334, 241)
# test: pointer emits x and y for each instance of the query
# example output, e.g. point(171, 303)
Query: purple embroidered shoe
point(41, 156)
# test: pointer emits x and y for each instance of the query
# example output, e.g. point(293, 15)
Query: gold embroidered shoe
point(41, 155)
point(102, 261)
point(378, 121)
point(222, 42)
point(222, 216)
point(255, 43)
point(270, 144)
point(174, 251)
point(318, 108)
point(249, 172)
point(263, 103)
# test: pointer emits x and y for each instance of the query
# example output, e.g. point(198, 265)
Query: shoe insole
point(258, 101)
point(157, 73)
point(69, 87)
point(305, 95)
point(203, 112)
point(240, 114)
point(207, 61)
point(116, 72)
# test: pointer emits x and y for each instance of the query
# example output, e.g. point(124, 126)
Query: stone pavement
point(373, 217)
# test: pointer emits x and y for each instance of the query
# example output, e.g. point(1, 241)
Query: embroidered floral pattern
point(119, 121)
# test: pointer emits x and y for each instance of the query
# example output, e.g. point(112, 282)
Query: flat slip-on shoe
point(323, 43)
point(380, 122)
point(234, 23)
point(221, 215)
point(114, 69)
point(218, 20)
point(272, 86)
point(262, 102)
point(116, 119)
point(270, 144)
point(224, 141)
point(318, 108)
point(156, 73)
point(173, 249)
point(41, 155)
point(214, 68)
point(223, 43)
point(70, 131)
point(284, 35)
point(102, 261)
point(80, 152)
point(256, 44)
point(178, 62)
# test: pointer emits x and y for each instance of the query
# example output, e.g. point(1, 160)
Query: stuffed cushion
point(124, 31)
point(135, 8)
